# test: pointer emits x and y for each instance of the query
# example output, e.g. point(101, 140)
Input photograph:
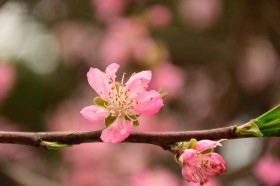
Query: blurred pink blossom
point(200, 13)
point(267, 170)
point(119, 40)
point(121, 102)
point(76, 42)
point(148, 51)
point(129, 40)
point(109, 10)
point(159, 16)
point(170, 78)
point(7, 79)
point(259, 67)
point(154, 177)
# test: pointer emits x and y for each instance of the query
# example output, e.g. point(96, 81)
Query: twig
point(2, 2)
point(163, 139)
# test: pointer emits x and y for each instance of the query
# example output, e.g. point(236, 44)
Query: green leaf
point(269, 122)
point(109, 120)
point(136, 123)
point(269, 116)
point(100, 102)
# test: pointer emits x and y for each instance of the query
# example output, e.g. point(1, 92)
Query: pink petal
point(111, 70)
point(138, 83)
point(149, 102)
point(95, 113)
point(188, 154)
point(117, 131)
point(99, 82)
point(189, 157)
point(216, 164)
point(206, 144)
point(189, 172)
point(219, 160)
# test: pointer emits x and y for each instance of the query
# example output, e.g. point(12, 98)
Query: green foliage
point(269, 122)
point(266, 125)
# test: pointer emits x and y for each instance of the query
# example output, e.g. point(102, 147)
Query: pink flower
point(120, 104)
point(159, 16)
point(199, 163)
point(174, 84)
point(109, 10)
point(201, 14)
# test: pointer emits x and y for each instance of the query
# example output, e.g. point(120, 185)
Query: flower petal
point(117, 131)
point(219, 160)
point(215, 164)
point(95, 113)
point(138, 83)
point(111, 70)
point(99, 82)
point(189, 173)
point(189, 157)
point(206, 144)
point(148, 103)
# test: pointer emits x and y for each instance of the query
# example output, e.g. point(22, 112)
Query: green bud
point(53, 145)
point(250, 128)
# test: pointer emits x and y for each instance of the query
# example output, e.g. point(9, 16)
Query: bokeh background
point(217, 59)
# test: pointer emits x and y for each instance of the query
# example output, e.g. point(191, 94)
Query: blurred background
point(218, 60)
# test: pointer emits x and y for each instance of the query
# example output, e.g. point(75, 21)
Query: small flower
point(120, 104)
point(198, 161)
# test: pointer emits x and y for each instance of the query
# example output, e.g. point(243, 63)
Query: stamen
point(123, 77)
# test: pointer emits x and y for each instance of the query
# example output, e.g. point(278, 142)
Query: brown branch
point(163, 139)
point(2, 2)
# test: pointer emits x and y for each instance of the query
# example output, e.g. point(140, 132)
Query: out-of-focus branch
point(2, 2)
point(163, 139)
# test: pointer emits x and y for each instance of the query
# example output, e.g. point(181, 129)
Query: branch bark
point(163, 139)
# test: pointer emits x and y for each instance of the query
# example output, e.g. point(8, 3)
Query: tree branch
point(163, 139)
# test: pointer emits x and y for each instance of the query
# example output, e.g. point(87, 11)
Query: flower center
point(119, 103)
